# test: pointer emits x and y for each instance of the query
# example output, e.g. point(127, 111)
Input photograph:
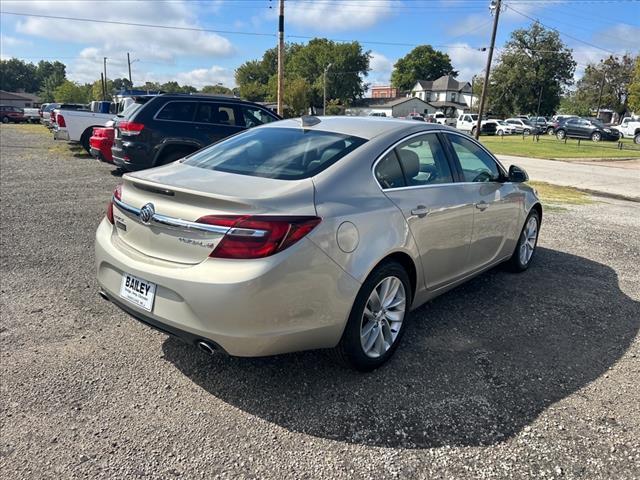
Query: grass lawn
point(550, 147)
point(555, 197)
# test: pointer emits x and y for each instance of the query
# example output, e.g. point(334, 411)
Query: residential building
point(446, 94)
point(19, 99)
point(390, 107)
point(384, 91)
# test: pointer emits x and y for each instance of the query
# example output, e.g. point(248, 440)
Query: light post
point(324, 90)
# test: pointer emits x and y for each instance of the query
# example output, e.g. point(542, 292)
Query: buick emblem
point(146, 213)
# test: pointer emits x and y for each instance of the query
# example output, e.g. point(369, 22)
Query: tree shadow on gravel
point(476, 365)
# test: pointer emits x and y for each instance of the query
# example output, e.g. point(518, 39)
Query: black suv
point(164, 128)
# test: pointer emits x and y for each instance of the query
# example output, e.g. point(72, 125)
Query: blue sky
point(593, 28)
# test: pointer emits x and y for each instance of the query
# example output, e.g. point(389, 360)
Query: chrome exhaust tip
point(206, 347)
point(103, 295)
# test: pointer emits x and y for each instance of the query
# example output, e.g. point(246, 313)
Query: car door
point(419, 178)
point(253, 116)
point(496, 202)
point(215, 121)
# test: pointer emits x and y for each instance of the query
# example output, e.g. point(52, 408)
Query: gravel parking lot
point(509, 376)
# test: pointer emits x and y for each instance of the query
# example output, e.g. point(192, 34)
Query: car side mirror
point(517, 174)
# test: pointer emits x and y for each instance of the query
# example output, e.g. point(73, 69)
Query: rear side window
point(282, 153)
point(177, 111)
point(388, 172)
point(423, 161)
point(254, 116)
point(216, 113)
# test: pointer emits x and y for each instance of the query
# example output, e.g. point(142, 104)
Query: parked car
point(541, 124)
point(586, 128)
point(9, 113)
point(502, 128)
point(170, 126)
point(468, 122)
point(377, 114)
point(629, 128)
point(101, 142)
point(77, 125)
point(270, 241)
point(31, 115)
point(45, 112)
point(522, 126)
point(442, 119)
point(64, 106)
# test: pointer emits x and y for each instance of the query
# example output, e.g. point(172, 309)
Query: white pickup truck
point(630, 128)
point(77, 125)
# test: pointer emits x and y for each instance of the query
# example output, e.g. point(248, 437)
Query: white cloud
point(466, 60)
point(337, 15)
point(8, 41)
point(150, 43)
point(206, 76)
point(380, 65)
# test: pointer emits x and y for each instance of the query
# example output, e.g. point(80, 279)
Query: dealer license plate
point(138, 291)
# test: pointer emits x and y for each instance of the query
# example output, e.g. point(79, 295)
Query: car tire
point(5, 119)
point(361, 328)
point(527, 131)
point(596, 136)
point(636, 139)
point(500, 132)
point(84, 139)
point(550, 131)
point(561, 134)
point(527, 242)
point(473, 131)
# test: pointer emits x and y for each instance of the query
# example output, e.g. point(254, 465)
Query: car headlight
point(608, 130)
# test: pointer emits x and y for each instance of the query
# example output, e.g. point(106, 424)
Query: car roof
point(363, 127)
point(189, 96)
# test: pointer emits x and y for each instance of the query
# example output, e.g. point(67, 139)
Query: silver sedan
point(312, 233)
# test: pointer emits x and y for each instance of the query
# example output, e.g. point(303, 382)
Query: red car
point(100, 143)
point(11, 114)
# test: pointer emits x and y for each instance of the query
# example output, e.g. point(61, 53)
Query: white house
point(446, 94)
point(390, 107)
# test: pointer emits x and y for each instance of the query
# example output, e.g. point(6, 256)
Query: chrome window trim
point(197, 102)
point(434, 131)
point(384, 154)
point(178, 223)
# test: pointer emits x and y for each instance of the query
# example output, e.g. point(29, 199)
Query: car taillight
point(258, 236)
point(117, 193)
point(130, 128)
point(60, 121)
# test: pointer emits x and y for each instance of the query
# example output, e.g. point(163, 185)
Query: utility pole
point(281, 59)
point(600, 94)
point(104, 90)
point(324, 89)
point(129, 64)
point(485, 85)
point(105, 77)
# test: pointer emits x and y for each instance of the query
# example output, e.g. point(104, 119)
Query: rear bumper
point(296, 300)
point(101, 148)
point(61, 134)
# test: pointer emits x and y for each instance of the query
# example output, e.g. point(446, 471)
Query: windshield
point(526, 122)
point(474, 117)
point(281, 153)
point(130, 110)
point(597, 123)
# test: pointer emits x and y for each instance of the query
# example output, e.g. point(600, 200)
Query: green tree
point(614, 76)
point(421, 63)
point(535, 67)
point(71, 92)
point(573, 104)
point(296, 96)
point(96, 90)
point(216, 90)
point(257, 80)
point(45, 70)
point(49, 85)
point(120, 84)
point(16, 74)
point(634, 89)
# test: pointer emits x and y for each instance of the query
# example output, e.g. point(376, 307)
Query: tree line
point(534, 74)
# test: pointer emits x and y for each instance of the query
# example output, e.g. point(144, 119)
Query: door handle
point(421, 211)
point(482, 206)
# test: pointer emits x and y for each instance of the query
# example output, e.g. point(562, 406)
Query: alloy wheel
point(560, 134)
point(528, 240)
point(596, 137)
point(382, 317)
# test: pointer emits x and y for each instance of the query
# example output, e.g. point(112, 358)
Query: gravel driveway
point(509, 376)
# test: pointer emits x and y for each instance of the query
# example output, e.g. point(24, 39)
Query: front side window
point(423, 161)
point(389, 173)
point(216, 113)
point(281, 153)
point(477, 165)
point(254, 117)
point(177, 111)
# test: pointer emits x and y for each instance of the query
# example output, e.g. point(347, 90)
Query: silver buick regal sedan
point(312, 233)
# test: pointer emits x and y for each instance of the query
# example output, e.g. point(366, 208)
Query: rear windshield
point(282, 153)
point(130, 110)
